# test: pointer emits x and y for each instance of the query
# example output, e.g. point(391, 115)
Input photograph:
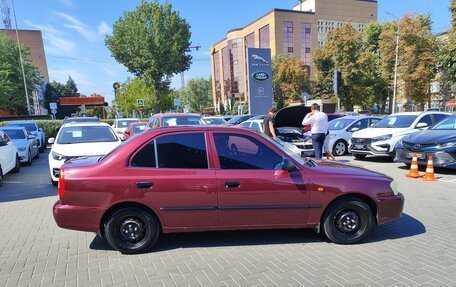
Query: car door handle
point(144, 185)
point(232, 184)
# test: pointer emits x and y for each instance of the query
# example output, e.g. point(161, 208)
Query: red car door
point(173, 173)
point(251, 191)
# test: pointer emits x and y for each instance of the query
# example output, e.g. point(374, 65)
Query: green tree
point(151, 42)
point(290, 77)
point(447, 54)
point(12, 92)
point(70, 89)
point(197, 94)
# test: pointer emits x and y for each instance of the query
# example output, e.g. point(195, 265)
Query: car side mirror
point(421, 125)
point(51, 140)
point(354, 129)
point(288, 165)
point(127, 132)
point(31, 137)
point(41, 130)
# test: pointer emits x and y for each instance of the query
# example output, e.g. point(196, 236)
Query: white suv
point(381, 139)
point(80, 140)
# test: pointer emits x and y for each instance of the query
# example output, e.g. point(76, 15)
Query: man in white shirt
point(319, 127)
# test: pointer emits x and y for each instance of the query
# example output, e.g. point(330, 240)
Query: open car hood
point(291, 116)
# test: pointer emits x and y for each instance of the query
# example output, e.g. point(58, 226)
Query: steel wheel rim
point(132, 229)
point(347, 221)
point(340, 148)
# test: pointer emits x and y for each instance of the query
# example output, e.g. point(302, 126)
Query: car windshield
point(86, 134)
point(139, 128)
point(236, 119)
point(125, 123)
point(15, 134)
point(396, 121)
point(447, 124)
point(215, 121)
point(181, 121)
point(30, 126)
point(339, 124)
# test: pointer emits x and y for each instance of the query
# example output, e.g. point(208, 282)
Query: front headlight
point(450, 144)
point(21, 149)
point(393, 186)
point(382, 138)
point(57, 156)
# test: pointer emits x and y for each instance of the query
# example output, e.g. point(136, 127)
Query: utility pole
point(393, 108)
point(197, 47)
point(22, 61)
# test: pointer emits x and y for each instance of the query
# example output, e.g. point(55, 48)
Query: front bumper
point(78, 217)
point(441, 158)
point(367, 147)
point(23, 156)
point(54, 167)
point(389, 208)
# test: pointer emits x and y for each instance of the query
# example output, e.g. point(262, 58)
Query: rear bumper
point(440, 158)
point(77, 217)
point(389, 208)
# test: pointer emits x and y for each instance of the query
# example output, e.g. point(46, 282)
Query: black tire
point(54, 183)
point(359, 156)
point(340, 148)
point(37, 154)
point(348, 221)
point(17, 167)
point(143, 226)
point(42, 148)
point(1, 176)
point(29, 161)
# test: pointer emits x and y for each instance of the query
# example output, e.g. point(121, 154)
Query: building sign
point(260, 80)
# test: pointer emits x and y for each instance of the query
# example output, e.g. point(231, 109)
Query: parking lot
point(417, 250)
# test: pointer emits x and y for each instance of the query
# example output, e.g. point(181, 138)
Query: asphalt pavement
point(417, 250)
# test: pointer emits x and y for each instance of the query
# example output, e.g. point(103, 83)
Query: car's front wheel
point(131, 230)
point(42, 148)
point(17, 167)
point(29, 158)
point(348, 221)
point(340, 148)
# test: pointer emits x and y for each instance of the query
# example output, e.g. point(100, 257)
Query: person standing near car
point(269, 123)
point(318, 122)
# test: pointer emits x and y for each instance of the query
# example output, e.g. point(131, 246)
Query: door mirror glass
point(51, 140)
point(354, 129)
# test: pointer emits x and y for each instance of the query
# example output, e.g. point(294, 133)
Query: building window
point(236, 65)
point(264, 37)
point(288, 37)
point(216, 61)
point(306, 29)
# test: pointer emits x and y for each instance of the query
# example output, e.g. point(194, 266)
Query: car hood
point(291, 116)
point(376, 132)
point(85, 149)
point(432, 137)
point(336, 168)
point(21, 143)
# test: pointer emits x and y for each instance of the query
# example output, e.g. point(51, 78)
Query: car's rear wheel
point(340, 148)
point(348, 221)
point(1, 176)
point(42, 148)
point(359, 156)
point(17, 167)
point(29, 158)
point(131, 230)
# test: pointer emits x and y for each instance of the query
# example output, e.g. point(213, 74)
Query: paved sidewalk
point(417, 250)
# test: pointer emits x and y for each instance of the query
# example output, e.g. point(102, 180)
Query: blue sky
point(74, 32)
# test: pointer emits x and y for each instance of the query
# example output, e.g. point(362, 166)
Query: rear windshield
point(181, 121)
point(125, 123)
point(15, 134)
point(217, 121)
point(30, 126)
point(139, 128)
point(86, 134)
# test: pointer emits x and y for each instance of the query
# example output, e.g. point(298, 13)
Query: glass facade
point(249, 42)
point(226, 72)
point(265, 40)
point(217, 80)
point(288, 38)
point(236, 65)
point(306, 44)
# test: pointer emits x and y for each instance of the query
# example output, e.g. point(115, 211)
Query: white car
point(80, 140)
point(25, 142)
point(381, 139)
point(121, 125)
point(342, 129)
point(9, 158)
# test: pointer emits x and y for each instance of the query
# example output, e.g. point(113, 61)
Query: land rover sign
point(259, 80)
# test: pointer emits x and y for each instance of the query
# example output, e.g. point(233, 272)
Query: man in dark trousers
point(318, 122)
point(269, 123)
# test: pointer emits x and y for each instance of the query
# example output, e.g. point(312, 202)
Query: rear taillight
point(61, 186)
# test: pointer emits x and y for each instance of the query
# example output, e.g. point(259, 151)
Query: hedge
point(51, 127)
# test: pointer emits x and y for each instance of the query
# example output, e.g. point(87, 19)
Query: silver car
point(25, 142)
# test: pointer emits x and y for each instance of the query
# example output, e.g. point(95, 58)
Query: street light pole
point(393, 108)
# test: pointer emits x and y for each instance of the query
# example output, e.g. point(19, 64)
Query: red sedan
point(133, 129)
point(202, 178)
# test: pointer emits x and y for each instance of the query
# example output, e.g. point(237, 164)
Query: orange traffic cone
point(414, 173)
point(430, 171)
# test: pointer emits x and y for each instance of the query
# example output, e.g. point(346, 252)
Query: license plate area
point(418, 155)
point(360, 146)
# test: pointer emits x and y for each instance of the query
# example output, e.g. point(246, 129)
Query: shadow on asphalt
point(407, 226)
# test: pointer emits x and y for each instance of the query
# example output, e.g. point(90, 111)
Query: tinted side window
point(145, 157)
point(373, 121)
point(362, 124)
point(256, 126)
point(182, 151)
point(237, 151)
point(439, 117)
point(426, 119)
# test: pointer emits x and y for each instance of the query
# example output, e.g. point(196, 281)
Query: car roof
point(85, 124)
point(360, 117)
point(419, 113)
point(12, 128)
point(127, 119)
point(176, 115)
point(21, 122)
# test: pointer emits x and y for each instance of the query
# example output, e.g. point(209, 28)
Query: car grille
point(361, 141)
point(415, 147)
